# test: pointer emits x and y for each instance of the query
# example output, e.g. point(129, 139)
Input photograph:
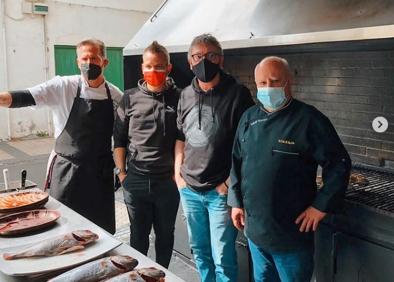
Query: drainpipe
point(46, 62)
point(6, 82)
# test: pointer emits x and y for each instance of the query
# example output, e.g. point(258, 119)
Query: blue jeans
point(211, 234)
point(295, 266)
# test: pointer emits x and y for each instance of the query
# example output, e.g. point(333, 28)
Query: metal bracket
point(154, 16)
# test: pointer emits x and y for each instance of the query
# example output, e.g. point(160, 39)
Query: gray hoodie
point(145, 124)
point(207, 122)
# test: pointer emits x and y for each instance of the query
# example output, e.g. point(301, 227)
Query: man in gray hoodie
point(208, 114)
point(145, 127)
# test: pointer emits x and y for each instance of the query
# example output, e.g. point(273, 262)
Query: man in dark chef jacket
point(273, 195)
point(80, 173)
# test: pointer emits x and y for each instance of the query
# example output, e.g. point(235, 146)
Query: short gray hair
point(93, 42)
point(206, 39)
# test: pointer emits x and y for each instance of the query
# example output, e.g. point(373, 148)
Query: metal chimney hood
point(254, 23)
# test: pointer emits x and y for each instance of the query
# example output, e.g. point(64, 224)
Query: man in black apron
point(80, 174)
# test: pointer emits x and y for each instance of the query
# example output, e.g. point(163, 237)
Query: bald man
point(278, 146)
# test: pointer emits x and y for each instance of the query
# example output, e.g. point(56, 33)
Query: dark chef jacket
point(273, 177)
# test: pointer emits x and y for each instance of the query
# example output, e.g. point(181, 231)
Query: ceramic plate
point(39, 265)
point(27, 221)
point(22, 200)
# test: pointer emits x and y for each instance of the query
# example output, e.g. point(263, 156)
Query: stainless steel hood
point(253, 23)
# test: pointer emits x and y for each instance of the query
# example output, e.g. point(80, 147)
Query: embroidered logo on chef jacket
point(287, 142)
point(196, 136)
point(257, 121)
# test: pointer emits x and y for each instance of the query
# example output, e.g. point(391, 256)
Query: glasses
point(210, 56)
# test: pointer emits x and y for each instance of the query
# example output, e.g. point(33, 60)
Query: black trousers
point(151, 202)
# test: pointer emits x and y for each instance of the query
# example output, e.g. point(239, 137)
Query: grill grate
point(378, 193)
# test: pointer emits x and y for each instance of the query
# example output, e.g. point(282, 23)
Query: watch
point(118, 170)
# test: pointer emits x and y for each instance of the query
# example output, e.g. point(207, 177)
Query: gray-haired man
point(208, 113)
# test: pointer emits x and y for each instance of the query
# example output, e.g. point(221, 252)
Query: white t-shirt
point(59, 93)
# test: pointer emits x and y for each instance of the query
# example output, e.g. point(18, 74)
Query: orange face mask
point(155, 78)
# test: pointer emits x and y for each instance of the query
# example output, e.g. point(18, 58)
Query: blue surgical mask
point(271, 97)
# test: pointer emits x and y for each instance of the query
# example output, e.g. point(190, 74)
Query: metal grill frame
point(378, 194)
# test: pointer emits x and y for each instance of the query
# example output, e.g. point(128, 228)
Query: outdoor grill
point(341, 54)
point(357, 244)
point(378, 194)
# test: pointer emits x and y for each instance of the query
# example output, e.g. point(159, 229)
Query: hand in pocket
point(222, 189)
point(180, 182)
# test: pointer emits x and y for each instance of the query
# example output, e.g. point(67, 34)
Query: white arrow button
point(380, 124)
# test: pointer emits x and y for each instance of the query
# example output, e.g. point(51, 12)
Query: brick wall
point(350, 87)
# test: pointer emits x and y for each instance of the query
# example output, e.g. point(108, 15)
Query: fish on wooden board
point(62, 244)
point(98, 270)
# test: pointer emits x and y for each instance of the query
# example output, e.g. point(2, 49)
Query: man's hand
point(238, 218)
point(310, 218)
point(222, 189)
point(180, 182)
point(122, 176)
point(5, 99)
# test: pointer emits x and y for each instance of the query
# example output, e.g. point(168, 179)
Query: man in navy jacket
point(273, 194)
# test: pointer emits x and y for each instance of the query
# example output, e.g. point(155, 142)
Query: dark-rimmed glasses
point(210, 56)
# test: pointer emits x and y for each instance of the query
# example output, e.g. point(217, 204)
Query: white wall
point(3, 77)
point(30, 62)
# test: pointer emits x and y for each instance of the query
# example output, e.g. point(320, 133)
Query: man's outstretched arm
point(16, 99)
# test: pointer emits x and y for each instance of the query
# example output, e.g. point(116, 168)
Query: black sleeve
point(121, 125)
point(331, 155)
point(245, 102)
point(22, 98)
point(234, 198)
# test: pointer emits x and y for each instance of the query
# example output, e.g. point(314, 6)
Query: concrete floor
point(32, 155)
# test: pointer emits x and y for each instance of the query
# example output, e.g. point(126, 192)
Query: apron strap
point(48, 179)
point(79, 88)
point(108, 91)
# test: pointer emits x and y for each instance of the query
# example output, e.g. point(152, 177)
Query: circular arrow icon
point(380, 124)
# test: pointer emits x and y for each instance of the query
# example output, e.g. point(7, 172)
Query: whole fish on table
point(98, 270)
point(62, 244)
point(131, 276)
point(151, 274)
point(146, 274)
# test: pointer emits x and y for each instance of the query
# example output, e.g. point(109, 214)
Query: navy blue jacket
point(273, 176)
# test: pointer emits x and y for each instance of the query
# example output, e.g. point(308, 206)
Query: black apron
point(81, 174)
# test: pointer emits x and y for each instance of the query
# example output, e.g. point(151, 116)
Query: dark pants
point(151, 202)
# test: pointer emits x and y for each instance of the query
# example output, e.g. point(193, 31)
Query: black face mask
point(205, 70)
point(90, 71)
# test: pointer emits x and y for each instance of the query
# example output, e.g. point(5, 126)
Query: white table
point(70, 221)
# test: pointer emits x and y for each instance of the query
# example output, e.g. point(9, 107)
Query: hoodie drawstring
point(155, 114)
point(153, 108)
point(212, 107)
point(200, 103)
point(163, 100)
